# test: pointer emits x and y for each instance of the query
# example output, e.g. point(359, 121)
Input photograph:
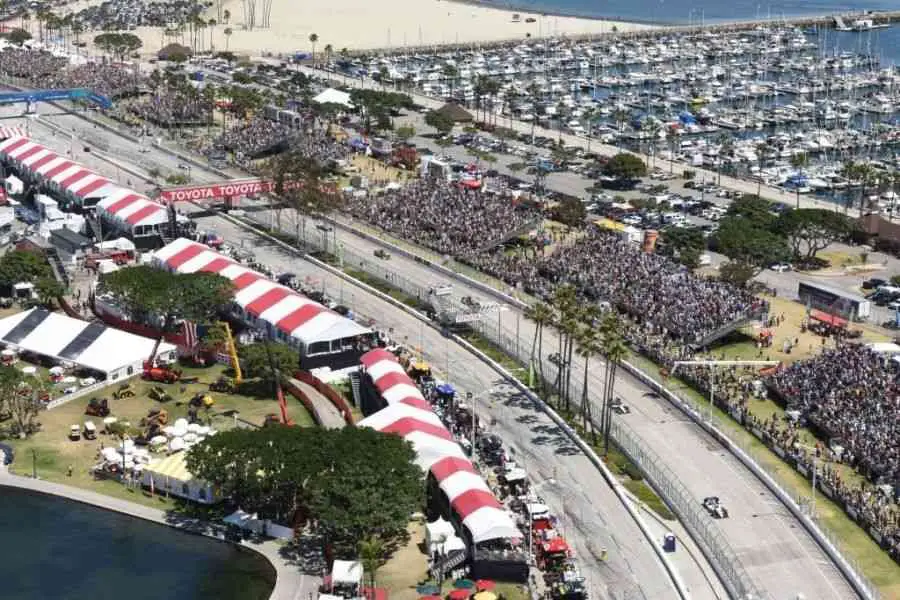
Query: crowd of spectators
point(44, 70)
point(650, 288)
point(450, 219)
point(851, 394)
point(172, 108)
point(254, 137)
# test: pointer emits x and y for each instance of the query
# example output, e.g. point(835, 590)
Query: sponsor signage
point(218, 191)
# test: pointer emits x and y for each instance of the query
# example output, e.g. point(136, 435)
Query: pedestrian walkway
point(327, 414)
point(290, 583)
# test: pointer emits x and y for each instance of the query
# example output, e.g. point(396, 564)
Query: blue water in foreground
point(692, 11)
point(56, 549)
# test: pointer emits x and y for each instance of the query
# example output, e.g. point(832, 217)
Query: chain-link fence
point(702, 529)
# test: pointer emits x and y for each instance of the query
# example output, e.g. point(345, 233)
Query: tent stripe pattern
point(279, 306)
point(409, 415)
point(32, 156)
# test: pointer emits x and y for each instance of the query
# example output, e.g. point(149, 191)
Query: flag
point(191, 338)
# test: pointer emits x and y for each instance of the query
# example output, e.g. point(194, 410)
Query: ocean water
point(683, 12)
point(56, 549)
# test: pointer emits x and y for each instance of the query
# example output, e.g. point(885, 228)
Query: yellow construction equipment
point(232, 351)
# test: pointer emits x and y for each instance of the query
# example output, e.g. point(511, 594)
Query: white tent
point(115, 353)
point(333, 96)
point(346, 572)
point(437, 530)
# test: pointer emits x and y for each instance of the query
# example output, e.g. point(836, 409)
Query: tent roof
point(281, 307)
point(824, 317)
point(90, 345)
point(171, 467)
point(346, 571)
point(410, 416)
point(333, 96)
point(456, 112)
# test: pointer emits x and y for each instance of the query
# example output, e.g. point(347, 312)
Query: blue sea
point(683, 12)
point(884, 43)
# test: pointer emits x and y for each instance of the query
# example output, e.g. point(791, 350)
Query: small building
point(170, 476)
point(69, 242)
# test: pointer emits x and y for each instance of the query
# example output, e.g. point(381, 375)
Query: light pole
point(712, 364)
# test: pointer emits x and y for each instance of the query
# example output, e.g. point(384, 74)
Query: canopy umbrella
point(429, 597)
point(459, 594)
point(484, 585)
point(485, 596)
point(446, 389)
point(463, 584)
point(427, 589)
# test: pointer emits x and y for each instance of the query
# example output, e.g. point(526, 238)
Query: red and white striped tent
point(291, 316)
point(12, 131)
point(55, 170)
point(130, 209)
point(410, 416)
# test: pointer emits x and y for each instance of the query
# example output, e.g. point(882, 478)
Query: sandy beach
point(368, 24)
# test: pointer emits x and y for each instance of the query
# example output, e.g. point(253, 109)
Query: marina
point(780, 104)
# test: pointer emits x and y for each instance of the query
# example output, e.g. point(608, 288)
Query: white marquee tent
point(94, 346)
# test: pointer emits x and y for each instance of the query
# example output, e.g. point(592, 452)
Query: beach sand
point(368, 24)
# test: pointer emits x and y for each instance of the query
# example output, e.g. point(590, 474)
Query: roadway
point(778, 554)
point(569, 483)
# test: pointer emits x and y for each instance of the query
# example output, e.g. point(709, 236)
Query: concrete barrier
point(683, 593)
point(812, 528)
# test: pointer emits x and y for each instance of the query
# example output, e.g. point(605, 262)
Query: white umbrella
point(176, 445)
point(194, 428)
point(181, 423)
point(29, 370)
point(169, 431)
point(56, 371)
point(190, 438)
point(203, 430)
point(158, 440)
point(110, 420)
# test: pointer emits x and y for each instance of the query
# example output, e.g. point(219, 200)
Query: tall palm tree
point(542, 315)
point(588, 346)
point(534, 92)
point(590, 115)
point(480, 89)
point(614, 349)
point(371, 554)
point(565, 302)
point(329, 51)
point(226, 16)
point(763, 152)
point(653, 128)
point(450, 73)
point(313, 38)
point(228, 31)
point(671, 137)
point(726, 148)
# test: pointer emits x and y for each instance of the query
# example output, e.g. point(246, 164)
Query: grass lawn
point(51, 451)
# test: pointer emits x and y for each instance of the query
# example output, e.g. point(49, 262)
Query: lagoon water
point(56, 549)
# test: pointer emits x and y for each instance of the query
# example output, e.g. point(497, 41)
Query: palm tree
point(565, 302)
point(726, 148)
point(226, 16)
point(227, 33)
point(614, 349)
point(763, 152)
point(542, 315)
point(371, 554)
point(212, 28)
point(653, 128)
point(671, 137)
point(620, 116)
point(313, 38)
point(588, 347)
point(479, 89)
point(450, 73)
point(329, 51)
point(590, 115)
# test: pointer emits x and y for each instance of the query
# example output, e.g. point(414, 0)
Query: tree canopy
point(740, 240)
point(625, 166)
point(255, 359)
point(162, 296)
point(809, 230)
point(18, 36)
point(357, 482)
point(20, 266)
point(119, 45)
point(299, 181)
point(440, 121)
point(20, 400)
point(685, 244)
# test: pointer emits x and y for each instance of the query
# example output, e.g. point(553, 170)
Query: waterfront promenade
point(290, 583)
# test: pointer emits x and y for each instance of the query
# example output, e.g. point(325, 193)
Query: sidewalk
point(328, 414)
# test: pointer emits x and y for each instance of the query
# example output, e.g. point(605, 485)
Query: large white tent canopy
point(91, 345)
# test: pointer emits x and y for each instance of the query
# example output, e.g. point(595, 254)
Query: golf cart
point(715, 508)
point(75, 433)
point(90, 430)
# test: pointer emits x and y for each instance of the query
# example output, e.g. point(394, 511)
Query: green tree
point(750, 245)
point(20, 400)
point(371, 554)
point(48, 289)
point(255, 360)
point(119, 45)
point(22, 266)
point(162, 297)
point(613, 347)
point(684, 243)
point(404, 132)
point(625, 167)
point(810, 230)
point(440, 121)
point(569, 211)
point(737, 273)
point(588, 346)
point(756, 211)
point(313, 38)
point(18, 36)
point(542, 315)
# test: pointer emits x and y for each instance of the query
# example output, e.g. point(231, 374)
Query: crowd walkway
point(327, 414)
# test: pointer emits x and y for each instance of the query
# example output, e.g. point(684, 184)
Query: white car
point(781, 267)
